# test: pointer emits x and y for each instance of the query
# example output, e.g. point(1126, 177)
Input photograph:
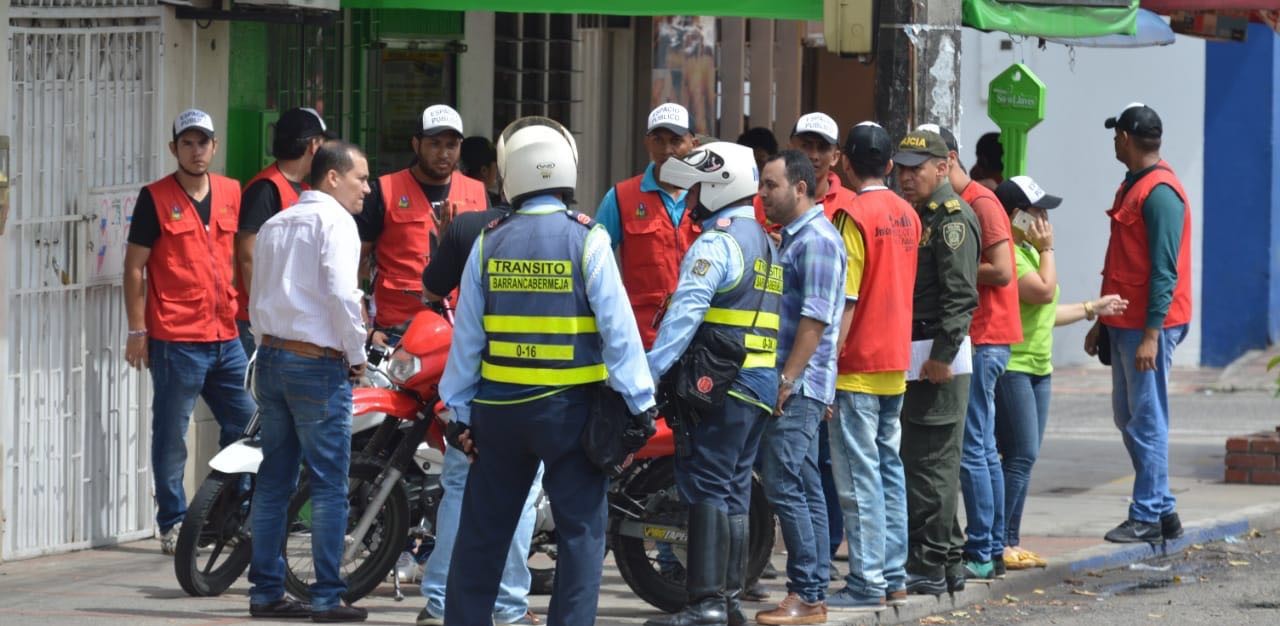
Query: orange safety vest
point(1127, 269)
point(998, 319)
point(880, 334)
point(404, 247)
point(838, 197)
point(190, 291)
point(651, 250)
point(288, 198)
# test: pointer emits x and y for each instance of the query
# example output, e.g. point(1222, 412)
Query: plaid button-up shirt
point(813, 272)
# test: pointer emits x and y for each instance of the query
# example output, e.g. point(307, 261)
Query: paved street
point(1080, 490)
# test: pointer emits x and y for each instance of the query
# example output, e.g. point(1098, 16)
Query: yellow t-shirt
point(876, 383)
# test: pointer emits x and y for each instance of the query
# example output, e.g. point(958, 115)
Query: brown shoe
point(794, 610)
point(897, 597)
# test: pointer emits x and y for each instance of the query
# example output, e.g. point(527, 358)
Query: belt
point(302, 348)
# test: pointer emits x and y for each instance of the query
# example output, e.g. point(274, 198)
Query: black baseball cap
point(920, 146)
point(1020, 192)
point(868, 144)
point(301, 123)
point(1137, 119)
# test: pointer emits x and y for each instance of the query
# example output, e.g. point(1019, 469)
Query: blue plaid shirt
point(813, 271)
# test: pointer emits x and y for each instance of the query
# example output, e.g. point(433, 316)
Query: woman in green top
point(1022, 393)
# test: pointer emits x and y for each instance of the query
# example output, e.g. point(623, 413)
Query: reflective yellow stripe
point(537, 396)
point(732, 317)
point(760, 359)
point(544, 325)
point(752, 401)
point(543, 375)
point(760, 343)
point(538, 351)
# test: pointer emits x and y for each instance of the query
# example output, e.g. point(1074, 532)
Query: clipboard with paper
point(962, 364)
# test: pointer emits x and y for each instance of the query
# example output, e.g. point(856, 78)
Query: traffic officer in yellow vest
point(408, 210)
point(543, 321)
point(722, 327)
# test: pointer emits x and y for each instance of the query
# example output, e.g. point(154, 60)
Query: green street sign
point(1015, 102)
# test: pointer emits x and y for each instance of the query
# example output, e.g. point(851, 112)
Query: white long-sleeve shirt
point(305, 272)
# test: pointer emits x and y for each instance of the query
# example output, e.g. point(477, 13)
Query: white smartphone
point(1022, 221)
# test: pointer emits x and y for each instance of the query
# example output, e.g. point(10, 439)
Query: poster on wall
point(684, 67)
point(110, 210)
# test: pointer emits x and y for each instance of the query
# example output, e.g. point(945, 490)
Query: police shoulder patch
point(497, 222)
point(701, 267)
point(581, 218)
point(953, 234)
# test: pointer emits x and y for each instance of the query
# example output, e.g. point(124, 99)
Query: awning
point(791, 10)
point(1152, 31)
point(1041, 19)
point(1217, 19)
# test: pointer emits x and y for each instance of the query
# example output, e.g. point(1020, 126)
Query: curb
point(1264, 517)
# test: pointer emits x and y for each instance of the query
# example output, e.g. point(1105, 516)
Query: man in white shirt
point(305, 306)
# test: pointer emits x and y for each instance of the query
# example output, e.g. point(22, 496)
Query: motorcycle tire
point(641, 571)
point(216, 527)
point(382, 545)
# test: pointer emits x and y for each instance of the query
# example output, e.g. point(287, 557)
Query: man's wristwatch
point(783, 381)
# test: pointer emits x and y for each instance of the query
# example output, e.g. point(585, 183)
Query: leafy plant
point(1271, 365)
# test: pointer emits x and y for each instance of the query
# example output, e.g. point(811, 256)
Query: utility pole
point(918, 65)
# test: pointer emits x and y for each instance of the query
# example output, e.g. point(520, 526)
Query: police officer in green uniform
point(933, 408)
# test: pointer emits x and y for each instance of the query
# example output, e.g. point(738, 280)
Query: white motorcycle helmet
point(726, 172)
point(536, 155)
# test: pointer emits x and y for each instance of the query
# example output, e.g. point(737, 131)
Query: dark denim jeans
point(180, 372)
point(1140, 401)
point(306, 416)
point(1022, 410)
point(981, 479)
point(794, 488)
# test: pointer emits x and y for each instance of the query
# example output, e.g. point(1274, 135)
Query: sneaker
point(527, 618)
point(284, 608)
point(1133, 531)
point(897, 597)
point(847, 600)
point(340, 613)
point(794, 610)
point(1170, 526)
point(925, 585)
point(997, 566)
point(978, 570)
point(427, 618)
point(169, 539)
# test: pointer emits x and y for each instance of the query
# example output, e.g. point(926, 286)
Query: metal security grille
point(534, 67)
point(73, 417)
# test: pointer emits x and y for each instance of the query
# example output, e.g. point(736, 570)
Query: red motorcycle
point(648, 525)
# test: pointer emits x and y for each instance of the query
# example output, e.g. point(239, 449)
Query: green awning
point(1051, 20)
point(793, 10)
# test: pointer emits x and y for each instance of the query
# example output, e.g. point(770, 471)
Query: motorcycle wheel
point(637, 558)
point(214, 545)
point(379, 548)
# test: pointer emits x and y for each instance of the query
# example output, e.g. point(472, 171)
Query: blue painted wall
point(1240, 292)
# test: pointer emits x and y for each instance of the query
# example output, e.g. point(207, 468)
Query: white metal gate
point(74, 418)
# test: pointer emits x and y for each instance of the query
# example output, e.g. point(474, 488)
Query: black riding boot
point(705, 571)
point(737, 571)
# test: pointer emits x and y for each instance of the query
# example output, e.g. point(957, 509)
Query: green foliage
point(1271, 365)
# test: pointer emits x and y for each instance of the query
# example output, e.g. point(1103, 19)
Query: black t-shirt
point(443, 274)
point(144, 228)
point(259, 202)
point(371, 217)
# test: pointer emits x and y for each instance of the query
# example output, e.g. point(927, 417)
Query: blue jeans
point(725, 446)
point(512, 440)
point(1140, 401)
point(305, 410)
point(180, 372)
point(835, 520)
point(513, 591)
point(794, 488)
point(873, 491)
point(981, 478)
point(1022, 410)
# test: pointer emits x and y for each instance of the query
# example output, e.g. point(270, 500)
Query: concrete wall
point(5, 93)
point(1070, 153)
point(1242, 193)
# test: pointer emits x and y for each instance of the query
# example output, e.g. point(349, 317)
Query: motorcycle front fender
point(241, 457)
point(390, 401)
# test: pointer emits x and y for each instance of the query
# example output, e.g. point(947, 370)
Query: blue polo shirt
point(607, 213)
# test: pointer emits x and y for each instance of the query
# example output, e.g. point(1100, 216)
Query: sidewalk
point(1079, 492)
